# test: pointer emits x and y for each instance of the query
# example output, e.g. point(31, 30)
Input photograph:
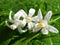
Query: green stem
point(55, 20)
point(25, 40)
point(28, 40)
point(51, 40)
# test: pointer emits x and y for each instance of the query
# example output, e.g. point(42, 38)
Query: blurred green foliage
point(9, 37)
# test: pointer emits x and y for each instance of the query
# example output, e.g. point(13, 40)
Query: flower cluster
point(34, 23)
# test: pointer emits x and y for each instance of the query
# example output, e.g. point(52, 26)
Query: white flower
point(43, 24)
point(16, 22)
point(28, 19)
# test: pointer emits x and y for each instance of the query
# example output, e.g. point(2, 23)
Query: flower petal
point(30, 25)
point(16, 21)
point(10, 19)
point(13, 26)
point(19, 14)
point(40, 15)
point(36, 29)
point(31, 12)
point(7, 24)
point(20, 30)
point(35, 19)
point(48, 16)
point(52, 29)
point(44, 31)
point(24, 22)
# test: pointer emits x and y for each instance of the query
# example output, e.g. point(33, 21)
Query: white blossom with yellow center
point(43, 24)
point(28, 19)
point(16, 22)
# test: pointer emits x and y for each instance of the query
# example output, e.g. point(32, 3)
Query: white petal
point(36, 29)
point(20, 30)
point(35, 19)
point(13, 26)
point(24, 22)
point(7, 24)
point(48, 16)
point(10, 19)
point(30, 25)
point(16, 21)
point(31, 12)
point(52, 29)
point(44, 31)
point(40, 15)
point(19, 14)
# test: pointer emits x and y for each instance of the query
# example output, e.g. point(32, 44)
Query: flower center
point(28, 19)
point(13, 27)
point(41, 25)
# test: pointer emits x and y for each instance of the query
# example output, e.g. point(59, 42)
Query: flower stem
point(51, 40)
point(55, 20)
point(30, 38)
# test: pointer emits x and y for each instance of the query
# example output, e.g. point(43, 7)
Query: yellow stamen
point(12, 27)
point(28, 19)
point(41, 25)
